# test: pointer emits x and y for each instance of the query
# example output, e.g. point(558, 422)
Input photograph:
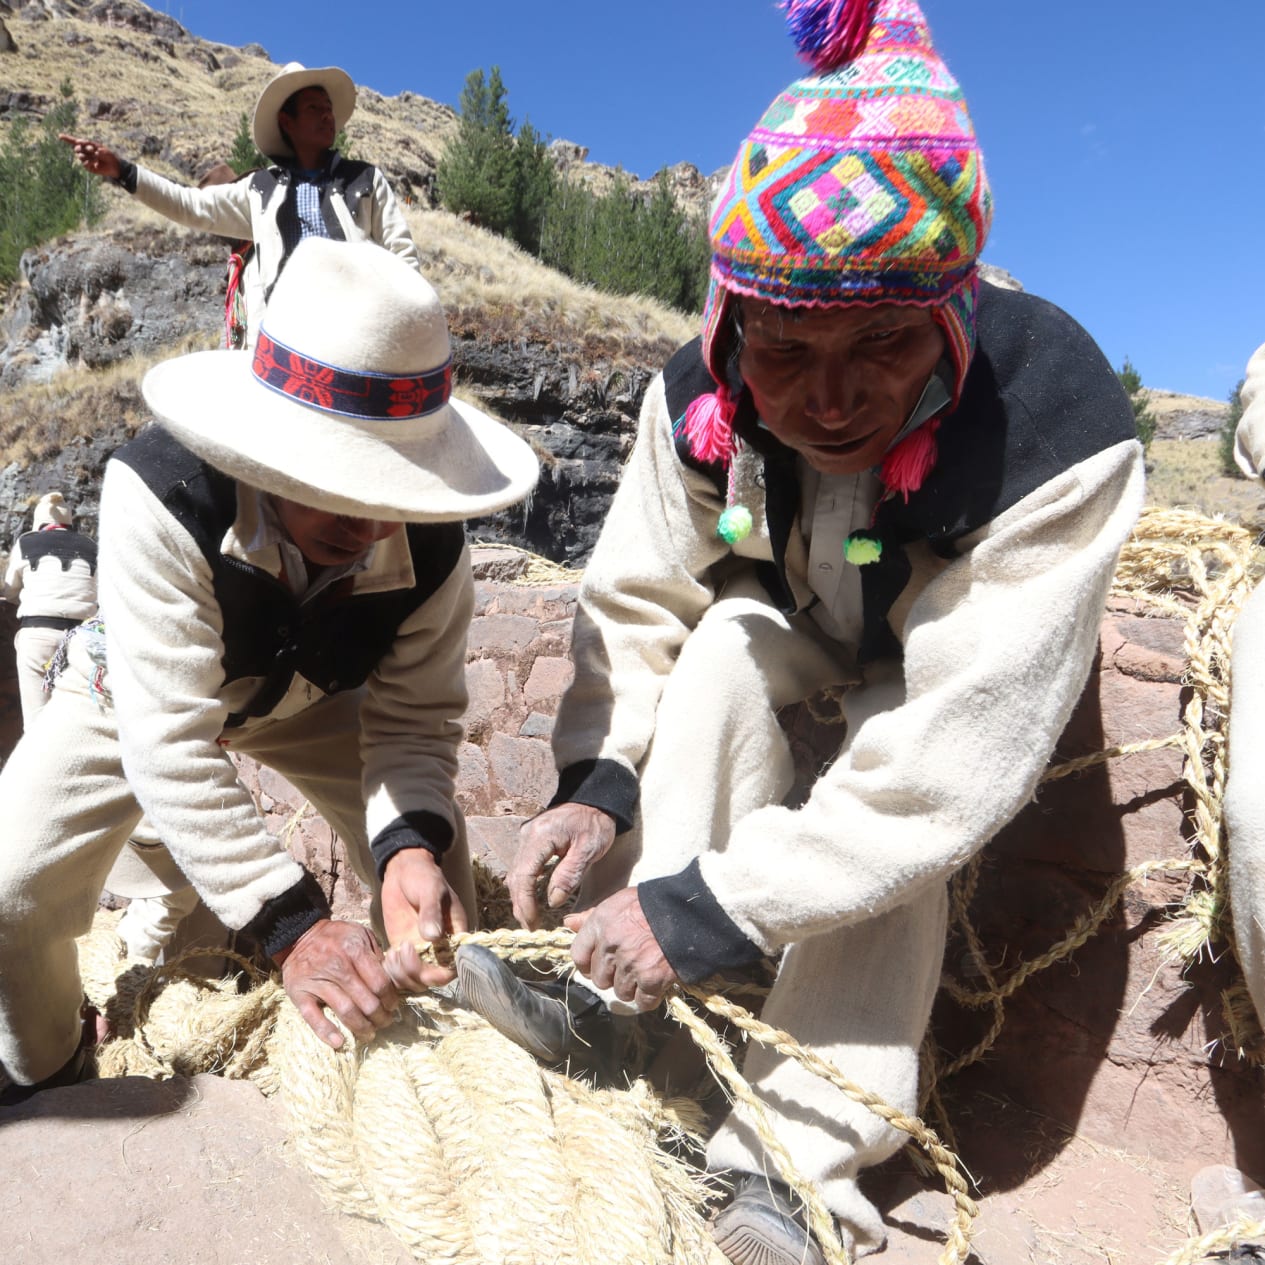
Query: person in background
point(309, 191)
point(872, 475)
point(284, 573)
point(52, 577)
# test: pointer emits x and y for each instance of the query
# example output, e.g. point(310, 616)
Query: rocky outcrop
point(98, 301)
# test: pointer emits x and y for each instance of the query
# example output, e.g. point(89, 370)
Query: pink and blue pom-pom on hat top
point(862, 184)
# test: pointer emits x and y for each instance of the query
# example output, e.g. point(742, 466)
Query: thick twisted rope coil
point(470, 1152)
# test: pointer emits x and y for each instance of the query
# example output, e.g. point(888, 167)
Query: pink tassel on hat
point(909, 463)
point(709, 426)
point(828, 32)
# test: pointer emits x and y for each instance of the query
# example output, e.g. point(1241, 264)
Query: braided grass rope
point(1181, 565)
point(418, 1129)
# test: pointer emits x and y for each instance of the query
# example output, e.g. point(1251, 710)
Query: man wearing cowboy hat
point(310, 191)
point(284, 574)
point(52, 575)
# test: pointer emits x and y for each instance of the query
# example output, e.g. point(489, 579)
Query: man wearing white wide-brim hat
point(310, 190)
point(283, 573)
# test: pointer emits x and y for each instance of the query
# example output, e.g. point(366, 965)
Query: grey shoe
point(559, 1021)
point(766, 1225)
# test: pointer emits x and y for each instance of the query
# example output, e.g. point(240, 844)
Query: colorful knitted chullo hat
point(862, 184)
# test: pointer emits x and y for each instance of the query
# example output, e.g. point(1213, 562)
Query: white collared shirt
point(832, 506)
point(268, 531)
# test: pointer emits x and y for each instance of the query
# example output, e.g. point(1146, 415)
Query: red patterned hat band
point(375, 397)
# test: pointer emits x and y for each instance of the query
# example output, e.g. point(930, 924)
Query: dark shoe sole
point(762, 1227)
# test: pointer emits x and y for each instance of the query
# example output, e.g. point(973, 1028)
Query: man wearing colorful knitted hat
point(873, 476)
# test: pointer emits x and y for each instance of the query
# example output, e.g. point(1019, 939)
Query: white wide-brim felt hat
point(344, 403)
point(291, 78)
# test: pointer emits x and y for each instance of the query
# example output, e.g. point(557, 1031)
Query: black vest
point(350, 180)
point(337, 639)
point(1039, 398)
point(64, 546)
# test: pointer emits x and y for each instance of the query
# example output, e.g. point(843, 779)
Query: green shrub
point(43, 192)
point(1143, 418)
point(628, 244)
point(1225, 438)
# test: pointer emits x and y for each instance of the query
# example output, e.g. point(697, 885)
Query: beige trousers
point(69, 811)
point(1244, 804)
point(33, 648)
point(860, 996)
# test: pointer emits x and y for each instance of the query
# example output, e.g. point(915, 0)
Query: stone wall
point(516, 671)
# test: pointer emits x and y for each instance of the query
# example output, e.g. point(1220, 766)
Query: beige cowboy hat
point(291, 78)
point(345, 402)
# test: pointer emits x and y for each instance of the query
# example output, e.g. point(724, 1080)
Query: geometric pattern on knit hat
point(861, 185)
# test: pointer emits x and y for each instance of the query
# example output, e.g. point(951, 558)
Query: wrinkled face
point(837, 384)
point(312, 125)
point(329, 540)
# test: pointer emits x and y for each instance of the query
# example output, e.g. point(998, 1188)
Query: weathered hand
point(417, 903)
point(98, 159)
point(578, 834)
point(339, 965)
point(615, 948)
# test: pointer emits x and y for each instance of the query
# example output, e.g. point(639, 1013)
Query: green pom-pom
point(734, 524)
point(859, 549)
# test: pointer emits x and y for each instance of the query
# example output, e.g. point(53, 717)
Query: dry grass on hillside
point(39, 420)
point(491, 288)
point(170, 91)
point(1186, 473)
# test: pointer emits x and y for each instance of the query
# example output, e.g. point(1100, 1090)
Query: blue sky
point(1125, 142)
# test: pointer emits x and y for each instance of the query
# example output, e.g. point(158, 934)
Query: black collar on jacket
point(1039, 398)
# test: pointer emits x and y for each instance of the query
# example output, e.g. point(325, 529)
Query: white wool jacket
point(52, 576)
point(195, 619)
point(358, 205)
point(990, 590)
point(1249, 437)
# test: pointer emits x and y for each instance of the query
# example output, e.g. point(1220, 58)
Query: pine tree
point(535, 180)
point(244, 157)
point(475, 177)
point(1143, 418)
point(43, 193)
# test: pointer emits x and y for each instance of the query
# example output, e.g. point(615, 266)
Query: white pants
point(859, 997)
point(69, 811)
point(32, 649)
point(1244, 804)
